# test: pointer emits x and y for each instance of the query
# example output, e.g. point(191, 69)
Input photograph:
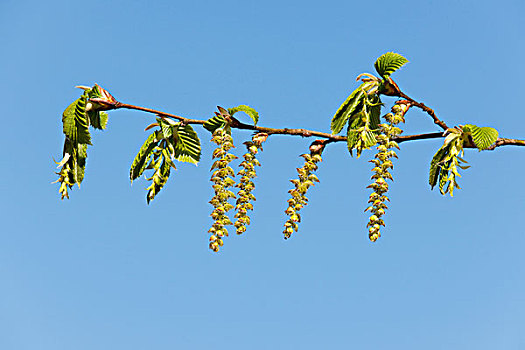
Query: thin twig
point(425, 108)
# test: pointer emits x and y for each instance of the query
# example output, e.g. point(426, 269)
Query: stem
point(425, 108)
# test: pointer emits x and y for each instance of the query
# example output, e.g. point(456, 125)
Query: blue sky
point(106, 271)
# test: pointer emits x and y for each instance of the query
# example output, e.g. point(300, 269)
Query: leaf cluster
point(361, 110)
point(172, 141)
point(76, 120)
point(445, 163)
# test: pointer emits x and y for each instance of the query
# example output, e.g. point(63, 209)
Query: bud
point(103, 103)
point(259, 138)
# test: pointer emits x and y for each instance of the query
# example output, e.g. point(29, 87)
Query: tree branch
point(425, 108)
point(312, 133)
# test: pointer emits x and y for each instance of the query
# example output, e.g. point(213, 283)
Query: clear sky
point(106, 271)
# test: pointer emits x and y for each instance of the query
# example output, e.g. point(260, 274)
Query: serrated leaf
point(75, 122)
point(187, 145)
point(143, 157)
point(388, 63)
point(434, 166)
point(98, 119)
point(214, 123)
point(80, 164)
point(375, 112)
point(166, 128)
point(483, 137)
point(347, 109)
point(442, 179)
point(94, 92)
point(160, 176)
point(352, 134)
point(369, 138)
point(246, 109)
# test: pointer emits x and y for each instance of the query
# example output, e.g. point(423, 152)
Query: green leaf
point(445, 163)
point(435, 166)
point(347, 109)
point(187, 145)
point(80, 164)
point(369, 138)
point(388, 63)
point(166, 127)
point(160, 176)
point(75, 121)
point(214, 123)
point(483, 137)
point(94, 92)
point(143, 157)
point(98, 119)
point(246, 109)
point(352, 133)
point(375, 112)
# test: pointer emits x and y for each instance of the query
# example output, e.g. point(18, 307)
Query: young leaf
point(375, 112)
point(141, 160)
point(75, 122)
point(246, 109)
point(369, 138)
point(388, 63)
point(434, 166)
point(347, 109)
point(80, 163)
point(352, 133)
point(187, 146)
point(98, 119)
point(160, 176)
point(214, 123)
point(166, 127)
point(483, 137)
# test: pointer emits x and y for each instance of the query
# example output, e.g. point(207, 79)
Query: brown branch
point(425, 108)
point(502, 141)
point(118, 105)
point(312, 133)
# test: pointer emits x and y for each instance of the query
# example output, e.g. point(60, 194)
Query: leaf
point(160, 176)
point(94, 92)
point(214, 123)
point(347, 109)
point(75, 121)
point(369, 138)
point(80, 164)
point(375, 112)
point(143, 157)
point(352, 134)
point(166, 127)
point(388, 63)
point(98, 119)
point(435, 166)
point(246, 109)
point(483, 137)
point(187, 145)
